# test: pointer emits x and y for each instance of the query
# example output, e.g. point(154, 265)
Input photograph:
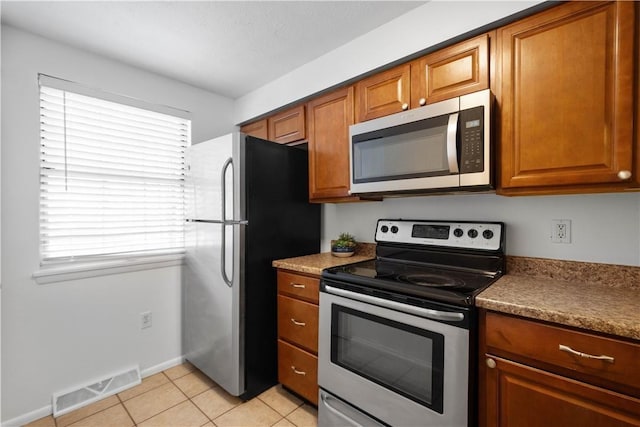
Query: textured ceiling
point(227, 47)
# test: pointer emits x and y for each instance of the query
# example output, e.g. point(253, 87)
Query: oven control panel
point(463, 234)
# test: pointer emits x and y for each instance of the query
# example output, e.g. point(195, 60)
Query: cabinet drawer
point(517, 338)
point(298, 322)
point(299, 286)
point(298, 370)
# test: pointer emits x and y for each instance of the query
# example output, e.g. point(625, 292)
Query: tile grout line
point(126, 410)
point(90, 415)
point(166, 409)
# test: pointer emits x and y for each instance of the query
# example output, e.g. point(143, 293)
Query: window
point(111, 176)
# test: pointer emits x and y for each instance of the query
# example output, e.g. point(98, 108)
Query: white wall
point(59, 335)
point(604, 227)
point(415, 31)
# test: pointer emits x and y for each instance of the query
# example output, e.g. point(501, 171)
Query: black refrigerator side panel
point(282, 224)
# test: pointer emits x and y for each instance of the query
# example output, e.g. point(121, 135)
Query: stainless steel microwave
point(445, 146)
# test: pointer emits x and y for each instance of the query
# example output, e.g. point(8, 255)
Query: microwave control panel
point(471, 140)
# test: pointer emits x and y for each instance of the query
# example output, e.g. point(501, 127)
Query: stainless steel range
point(397, 333)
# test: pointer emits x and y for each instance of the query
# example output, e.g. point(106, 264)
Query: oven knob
point(473, 233)
point(384, 228)
point(394, 229)
point(487, 234)
point(458, 232)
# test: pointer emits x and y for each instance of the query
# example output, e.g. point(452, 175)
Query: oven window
point(400, 357)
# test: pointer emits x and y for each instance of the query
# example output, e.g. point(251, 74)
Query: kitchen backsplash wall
point(605, 228)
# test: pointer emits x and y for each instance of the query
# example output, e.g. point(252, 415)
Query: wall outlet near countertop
point(561, 230)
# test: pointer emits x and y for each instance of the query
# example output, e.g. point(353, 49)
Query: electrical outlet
point(145, 320)
point(561, 231)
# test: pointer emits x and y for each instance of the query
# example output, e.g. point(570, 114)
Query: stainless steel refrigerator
point(247, 204)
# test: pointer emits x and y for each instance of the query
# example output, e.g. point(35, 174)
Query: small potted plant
point(345, 245)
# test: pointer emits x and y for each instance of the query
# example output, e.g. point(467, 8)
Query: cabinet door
point(518, 395)
point(383, 93)
point(567, 96)
point(257, 129)
point(329, 118)
point(457, 70)
point(288, 126)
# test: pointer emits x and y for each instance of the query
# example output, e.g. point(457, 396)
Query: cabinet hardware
point(491, 363)
point(585, 355)
point(405, 106)
point(297, 285)
point(423, 101)
point(293, 368)
point(624, 175)
point(298, 323)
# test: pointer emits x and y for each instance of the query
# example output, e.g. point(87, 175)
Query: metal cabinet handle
point(491, 363)
point(585, 355)
point(405, 106)
point(423, 101)
point(297, 323)
point(295, 371)
point(624, 174)
point(297, 285)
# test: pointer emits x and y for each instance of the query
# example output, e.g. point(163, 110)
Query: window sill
point(65, 272)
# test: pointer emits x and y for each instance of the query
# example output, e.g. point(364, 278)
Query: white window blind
point(111, 178)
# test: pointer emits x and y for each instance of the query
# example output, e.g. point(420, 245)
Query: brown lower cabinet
point(529, 377)
point(298, 296)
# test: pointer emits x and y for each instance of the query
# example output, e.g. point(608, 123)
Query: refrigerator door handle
point(218, 221)
point(223, 255)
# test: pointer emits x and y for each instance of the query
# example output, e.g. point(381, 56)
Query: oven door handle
point(393, 305)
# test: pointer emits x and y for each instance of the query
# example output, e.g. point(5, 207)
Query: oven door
point(400, 368)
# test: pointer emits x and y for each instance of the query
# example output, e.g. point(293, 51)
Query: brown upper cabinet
point(257, 129)
point(287, 126)
point(284, 127)
point(329, 117)
point(566, 78)
point(384, 93)
point(453, 71)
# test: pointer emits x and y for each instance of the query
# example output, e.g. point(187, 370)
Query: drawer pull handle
point(295, 322)
point(585, 355)
point(297, 285)
point(295, 371)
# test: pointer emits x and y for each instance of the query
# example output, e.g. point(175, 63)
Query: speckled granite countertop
point(598, 297)
point(314, 264)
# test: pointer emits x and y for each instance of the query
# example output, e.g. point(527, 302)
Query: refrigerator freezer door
point(212, 329)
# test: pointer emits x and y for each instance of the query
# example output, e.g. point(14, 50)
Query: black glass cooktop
point(440, 283)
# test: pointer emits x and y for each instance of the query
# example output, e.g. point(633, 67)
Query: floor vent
point(68, 401)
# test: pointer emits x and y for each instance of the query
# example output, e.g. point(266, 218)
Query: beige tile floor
point(183, 397)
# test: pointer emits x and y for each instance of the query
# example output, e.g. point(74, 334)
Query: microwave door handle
point(452, 150)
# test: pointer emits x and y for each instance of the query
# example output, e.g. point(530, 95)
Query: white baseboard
point(29, 417)
point(162, 366)
point(48, 410)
